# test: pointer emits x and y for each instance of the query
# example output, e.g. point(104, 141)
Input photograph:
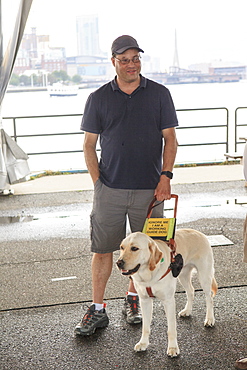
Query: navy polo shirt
point(130, 129)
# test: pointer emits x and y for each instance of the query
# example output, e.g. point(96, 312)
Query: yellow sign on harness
point(159, 227)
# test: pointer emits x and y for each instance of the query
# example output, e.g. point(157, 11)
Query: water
point(187, 96)
point(40, 103)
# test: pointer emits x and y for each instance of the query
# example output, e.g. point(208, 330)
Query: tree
point(64, 76)
point(58, 76)
point(14, 80)
point(51, 78)
point(25, 80)
point(77, 79)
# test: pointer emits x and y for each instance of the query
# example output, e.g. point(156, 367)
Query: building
point(27, 53)
point(87, 35)
point(90, 62)
point(54, 60)
point(35, 53)
point(228, 69)
point(219, 68)
point(90, 67)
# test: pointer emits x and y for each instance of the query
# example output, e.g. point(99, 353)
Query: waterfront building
point(87, 35)
point(228, 69)
point(35, 53)
point(91, 68)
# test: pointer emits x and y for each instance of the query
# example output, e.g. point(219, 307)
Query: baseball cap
point(123, 43)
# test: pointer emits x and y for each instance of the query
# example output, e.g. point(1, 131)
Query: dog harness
point(176, 264)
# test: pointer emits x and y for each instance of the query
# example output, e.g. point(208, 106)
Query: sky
point(206, 31)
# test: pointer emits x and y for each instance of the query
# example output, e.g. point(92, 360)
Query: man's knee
point(102, 257)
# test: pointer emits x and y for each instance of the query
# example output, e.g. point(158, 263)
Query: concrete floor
point(45, 276)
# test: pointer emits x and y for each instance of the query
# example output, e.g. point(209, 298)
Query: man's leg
point(108, 224)
point(96, 316)
point(242, 363)
point(131, 308)
point(245, 240)
point(131, 287)
point(101, 271)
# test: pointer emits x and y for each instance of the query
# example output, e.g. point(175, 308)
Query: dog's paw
point(184, 313)
point(140, 346)
point(209, 322)
point(173, 351)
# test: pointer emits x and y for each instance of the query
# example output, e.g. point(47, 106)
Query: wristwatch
point(168, 174)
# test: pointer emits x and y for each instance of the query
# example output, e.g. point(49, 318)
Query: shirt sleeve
point(91, 120)
point(168, 112)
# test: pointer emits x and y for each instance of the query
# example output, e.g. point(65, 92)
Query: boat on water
point(63, 90)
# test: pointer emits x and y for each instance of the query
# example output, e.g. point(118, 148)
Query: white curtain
point(13, 160)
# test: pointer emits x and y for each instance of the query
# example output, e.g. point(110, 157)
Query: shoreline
point(97, 84)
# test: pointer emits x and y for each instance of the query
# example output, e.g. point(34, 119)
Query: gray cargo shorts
point(111, 207)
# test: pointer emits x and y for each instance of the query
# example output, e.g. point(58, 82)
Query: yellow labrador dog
point(147, 260)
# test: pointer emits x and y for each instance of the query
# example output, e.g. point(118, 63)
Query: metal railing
point(238, 125)
point(224, 126)
point(16, 136)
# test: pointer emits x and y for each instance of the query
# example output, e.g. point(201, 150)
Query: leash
point(176, 259)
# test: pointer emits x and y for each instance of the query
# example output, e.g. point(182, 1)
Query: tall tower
point(175, 58)
point(87, 35)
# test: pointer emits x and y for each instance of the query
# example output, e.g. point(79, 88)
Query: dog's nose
point(120, 264)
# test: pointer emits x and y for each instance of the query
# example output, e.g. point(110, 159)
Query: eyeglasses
point(124, 61)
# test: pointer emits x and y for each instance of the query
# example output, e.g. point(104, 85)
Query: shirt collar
point(114, 85)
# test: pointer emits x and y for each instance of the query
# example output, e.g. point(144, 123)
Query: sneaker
point(92, 320)
point(132, 310)
point(241, 364)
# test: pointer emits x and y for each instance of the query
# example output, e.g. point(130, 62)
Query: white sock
point(131, 293)
point(98, 306)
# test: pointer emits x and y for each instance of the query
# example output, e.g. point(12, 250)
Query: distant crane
point(175, 68)
point(175, 58)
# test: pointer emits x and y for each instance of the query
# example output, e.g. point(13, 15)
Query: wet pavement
point(45, 275)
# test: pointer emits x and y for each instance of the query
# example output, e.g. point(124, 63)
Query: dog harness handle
point(152, 205)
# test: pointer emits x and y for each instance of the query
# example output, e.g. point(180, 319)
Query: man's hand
point(163, 190)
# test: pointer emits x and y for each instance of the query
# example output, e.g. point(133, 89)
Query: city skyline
point(206, 31)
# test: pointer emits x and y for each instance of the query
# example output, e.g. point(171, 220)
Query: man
point(245, 224)
point(132, 116)
point(242, 363)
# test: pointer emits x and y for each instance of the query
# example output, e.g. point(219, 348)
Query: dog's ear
point(155, 255)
